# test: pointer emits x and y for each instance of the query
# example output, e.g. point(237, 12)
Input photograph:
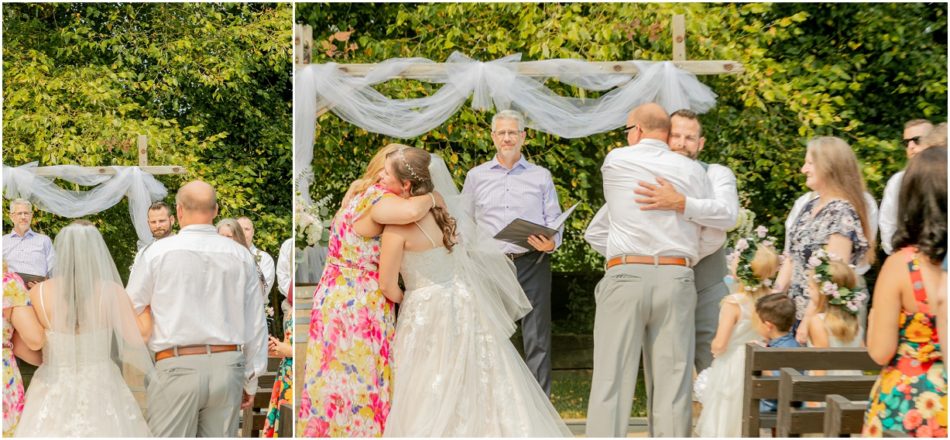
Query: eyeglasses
point(20, 214)
point(508, 133)
point(627, 129)
point(915, 139)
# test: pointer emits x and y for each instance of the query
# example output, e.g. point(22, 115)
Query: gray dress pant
point(196, 395)
point(710, 290)
point(535, 278)
point(642, 307)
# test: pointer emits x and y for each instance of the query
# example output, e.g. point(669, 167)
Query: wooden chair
point(797, 387)
point(758, 387)
point(843, 417)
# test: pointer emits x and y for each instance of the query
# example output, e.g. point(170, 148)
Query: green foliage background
point(857, 71)
point(209, 84)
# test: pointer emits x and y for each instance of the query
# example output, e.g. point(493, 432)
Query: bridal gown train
point(455, 375)
point(79, 393)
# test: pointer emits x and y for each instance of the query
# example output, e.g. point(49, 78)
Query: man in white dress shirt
point(209, 334)
point(718, 213)
point(647, 298)
point(914, 130)
point(264, 261)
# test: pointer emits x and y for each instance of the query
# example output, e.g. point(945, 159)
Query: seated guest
point(776, 314)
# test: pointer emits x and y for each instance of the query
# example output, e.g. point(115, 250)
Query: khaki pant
point(649, 308)
point(197, 395)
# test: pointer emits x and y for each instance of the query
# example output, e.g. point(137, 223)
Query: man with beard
point(160, 220)
point(686, 138)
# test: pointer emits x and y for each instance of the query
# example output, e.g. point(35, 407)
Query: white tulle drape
point(140, 187)
point(493, 83)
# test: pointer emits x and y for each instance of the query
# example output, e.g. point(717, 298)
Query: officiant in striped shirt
point(504, 189)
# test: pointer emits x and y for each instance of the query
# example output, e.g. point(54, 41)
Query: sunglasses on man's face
point(915, 139)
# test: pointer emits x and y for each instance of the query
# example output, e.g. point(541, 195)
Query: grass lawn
point(570, 390)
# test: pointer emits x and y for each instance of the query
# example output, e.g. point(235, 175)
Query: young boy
point(776, 315)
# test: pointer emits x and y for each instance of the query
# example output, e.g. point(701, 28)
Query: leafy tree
point(209, 84)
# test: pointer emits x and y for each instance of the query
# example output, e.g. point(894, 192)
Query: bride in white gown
point(456, 374)
point(93, 344)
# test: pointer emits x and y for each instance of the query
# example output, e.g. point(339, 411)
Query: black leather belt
point(514, 257)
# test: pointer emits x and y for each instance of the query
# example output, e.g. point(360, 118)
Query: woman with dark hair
point(910, 397)
point(455, 374)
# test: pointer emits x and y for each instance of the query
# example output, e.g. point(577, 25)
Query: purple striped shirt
point(30, 253)
point(502, 195)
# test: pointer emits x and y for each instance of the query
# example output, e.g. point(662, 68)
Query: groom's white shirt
point(660, 233)
point(192, 281)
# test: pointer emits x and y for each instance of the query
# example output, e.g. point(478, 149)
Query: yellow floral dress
point(14, 295)
point(910, 397)
point(347, 379)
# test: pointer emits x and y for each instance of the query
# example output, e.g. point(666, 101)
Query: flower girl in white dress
point(716, 387)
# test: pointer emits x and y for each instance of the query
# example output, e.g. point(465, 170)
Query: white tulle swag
point(140, 187)
point(490, 84)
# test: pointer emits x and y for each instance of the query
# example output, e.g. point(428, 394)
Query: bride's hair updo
point(411, 165)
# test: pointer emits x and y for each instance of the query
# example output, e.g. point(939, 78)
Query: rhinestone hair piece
point(409, 167)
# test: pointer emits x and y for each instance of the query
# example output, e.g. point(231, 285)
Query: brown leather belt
point(187, 350)
point(643, 259)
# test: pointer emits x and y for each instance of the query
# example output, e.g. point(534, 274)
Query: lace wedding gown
point(79, 391)
point(455, 375)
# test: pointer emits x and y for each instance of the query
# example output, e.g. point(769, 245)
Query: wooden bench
point(758, 387)
point(286, 427)
point(843, 416)
point(797, 387)
point(253, 418)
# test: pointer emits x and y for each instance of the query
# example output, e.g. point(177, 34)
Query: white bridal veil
point(487, 271)
point(91, 319)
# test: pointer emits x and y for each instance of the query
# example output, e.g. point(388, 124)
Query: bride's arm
point(143, 321)
point(390, 258)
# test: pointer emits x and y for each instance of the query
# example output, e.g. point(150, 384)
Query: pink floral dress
point(347, 379)
point(14, 295)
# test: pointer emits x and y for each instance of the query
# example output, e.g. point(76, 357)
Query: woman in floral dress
point(835, 221)
point(283, 387)
point(347, 379)
point(17, 314)
point(910, 397)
